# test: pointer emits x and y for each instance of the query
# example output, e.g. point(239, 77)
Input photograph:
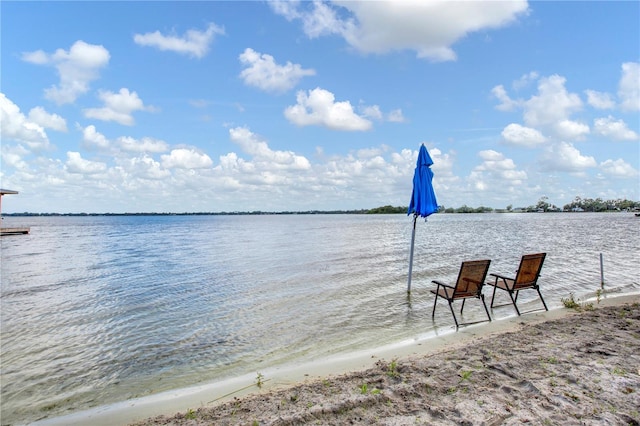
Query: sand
point(559, 367)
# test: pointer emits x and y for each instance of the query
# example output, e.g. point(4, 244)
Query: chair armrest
point(501, 276)
point(442, 284)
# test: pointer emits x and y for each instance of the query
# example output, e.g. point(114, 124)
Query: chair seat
point(504, 284)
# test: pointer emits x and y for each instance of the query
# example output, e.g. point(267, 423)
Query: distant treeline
point(255, 212)
point(577, 205)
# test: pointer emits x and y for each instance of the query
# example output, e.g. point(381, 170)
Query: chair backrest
point(471, 277)
point(529, 270)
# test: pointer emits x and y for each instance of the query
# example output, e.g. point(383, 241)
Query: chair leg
point(454, 314)
point(540, 294)
point(494, 292)
point(435, 301)
point(463, 300)
point(485, 306)
point(514, 303)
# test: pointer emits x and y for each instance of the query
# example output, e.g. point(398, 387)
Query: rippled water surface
point(100, 309)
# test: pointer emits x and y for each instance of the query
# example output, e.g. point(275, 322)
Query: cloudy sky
point(236, 106)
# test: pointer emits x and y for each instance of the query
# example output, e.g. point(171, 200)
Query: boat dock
point(13, 230)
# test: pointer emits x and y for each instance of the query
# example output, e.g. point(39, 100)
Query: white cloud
point(564, 157)
point(373, 112)
point(320, 109)
point(629, 87)
point(428, 28)
point(193, 43)
point(184, 158)
point(76, 164)
point(13, 156)
point(568, 129)
point(525, 80)
point(522, 136)
point(549, 111)
point(552, 105)
point(618, 168)
point(253, 145)
point(262, 72)
point(50, 121)
point(496, 170)
point(396, 116)
point(146, 144)
point(18, 127)
point(93, 139)
point(145, 167)
point(76, 69)
point(600, 100)
point(506, 103)
point(118, 107)
point(614, 129)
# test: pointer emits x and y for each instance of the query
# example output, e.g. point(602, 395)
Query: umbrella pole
point(413, 240)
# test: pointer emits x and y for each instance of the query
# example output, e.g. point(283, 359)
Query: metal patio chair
point(526, 278)
point(469, 284)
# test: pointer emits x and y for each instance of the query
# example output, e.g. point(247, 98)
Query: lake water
point(96, 310)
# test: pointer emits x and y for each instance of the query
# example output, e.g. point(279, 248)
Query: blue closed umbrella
point(423, 199)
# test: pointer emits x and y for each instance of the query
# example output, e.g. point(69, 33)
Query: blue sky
point(237, 106)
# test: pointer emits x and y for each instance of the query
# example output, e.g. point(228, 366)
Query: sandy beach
point(559, 367)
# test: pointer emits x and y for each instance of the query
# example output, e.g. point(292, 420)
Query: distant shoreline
point(264, 213)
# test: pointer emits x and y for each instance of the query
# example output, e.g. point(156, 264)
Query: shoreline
point(216, 395)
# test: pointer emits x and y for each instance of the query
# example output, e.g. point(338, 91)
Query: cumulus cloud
point(193, 43)
point(549, 111)
point(92, 139)
point(506, 103)
point(20, 128)
point(145, 144)
point(118, 107)
point(496, 169)
point(552, 105)
point(618, 169)
point(600, 100)
point(525, 80)
point(263, 72)
point(373, 112)
point(396, 116)
point(495, 160)
point(186, 158)
point(76, 164)
point(252, 144)
point(13, 156)
point(564, 157)
point(49, 121)
point(569, 129)
point(428, 28)
point(516, 134)
point(629, 87)
point(319, 108)
point(76, 68)
point(144, 167)
point(614, 129)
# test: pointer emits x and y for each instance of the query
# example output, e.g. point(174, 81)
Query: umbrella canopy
point(423, 199)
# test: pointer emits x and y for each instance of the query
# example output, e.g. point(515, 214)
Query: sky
point(225, 106)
